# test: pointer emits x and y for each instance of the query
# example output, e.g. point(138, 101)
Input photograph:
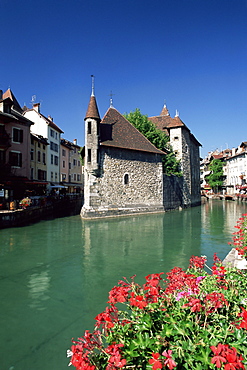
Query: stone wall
point(195, 174)
point(128, 182)
point(172, 192)
point(187, 150)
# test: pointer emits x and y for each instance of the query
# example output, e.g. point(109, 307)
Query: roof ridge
point(119, 140)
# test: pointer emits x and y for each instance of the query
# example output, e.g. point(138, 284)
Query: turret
point(92, 122)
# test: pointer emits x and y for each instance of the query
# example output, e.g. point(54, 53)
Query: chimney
point(50, 118)
point(36, 106)
point(75, 141)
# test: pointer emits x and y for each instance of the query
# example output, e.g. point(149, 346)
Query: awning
point(36, 183)
point(73, 184)
point(58, 187)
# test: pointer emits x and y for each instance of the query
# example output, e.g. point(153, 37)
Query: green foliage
point(171, 166)
point(215, 179)
point(191, 320)
point(82, 155)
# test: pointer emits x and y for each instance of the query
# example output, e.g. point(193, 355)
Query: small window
point(51, 175)
point(89, 155)
point(38, 156)
point(32, 154)
point(56, 160)
point(126, 179)
point(43, 158)
point(15, 159)
point(51, 158)
point(63, 164)
point(17, 135)
point(175, 138)
point(89, 127)
point(63, 153)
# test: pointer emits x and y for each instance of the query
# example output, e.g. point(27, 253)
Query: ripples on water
point(55, 275)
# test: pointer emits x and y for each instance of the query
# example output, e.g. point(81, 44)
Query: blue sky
point(192, 54)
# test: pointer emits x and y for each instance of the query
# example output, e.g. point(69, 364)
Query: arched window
point(126, 179)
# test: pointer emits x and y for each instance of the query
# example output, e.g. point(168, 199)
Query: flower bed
point(240, 236)
point(189, 320)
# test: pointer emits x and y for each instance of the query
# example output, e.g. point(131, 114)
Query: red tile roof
point(9, 94)
point(48, 121)
point(165, 122)
point(116, 131)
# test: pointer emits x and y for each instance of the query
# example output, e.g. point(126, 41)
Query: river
point(55, 275)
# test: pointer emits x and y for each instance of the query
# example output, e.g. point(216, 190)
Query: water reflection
point(38, 286)
point(218, 221)
point(56, 275)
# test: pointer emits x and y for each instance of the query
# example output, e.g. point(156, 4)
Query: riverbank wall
point(234, 259)
point(57, 208)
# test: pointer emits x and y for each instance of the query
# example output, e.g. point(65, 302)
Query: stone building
point(122, 169)
point(186, 148)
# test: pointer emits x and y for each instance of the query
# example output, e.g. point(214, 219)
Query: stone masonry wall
point(141, 171)
point(186, 168)
point(172, 192)
point(195, 175)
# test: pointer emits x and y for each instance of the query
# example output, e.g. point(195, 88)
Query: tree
point(215, 179)
point(171, 166)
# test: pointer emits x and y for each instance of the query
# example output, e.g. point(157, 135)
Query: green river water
point(55, 275)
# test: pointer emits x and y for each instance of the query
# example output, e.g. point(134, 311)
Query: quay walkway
point(55, 207)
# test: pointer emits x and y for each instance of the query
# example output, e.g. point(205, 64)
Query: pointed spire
point(92, 110)
point(92, 76)
point(164, 111)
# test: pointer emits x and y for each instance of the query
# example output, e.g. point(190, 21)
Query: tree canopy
point(171, 166)
point(216, 177)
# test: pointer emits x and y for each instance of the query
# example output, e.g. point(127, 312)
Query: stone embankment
point(67, 206)
point(234, 259)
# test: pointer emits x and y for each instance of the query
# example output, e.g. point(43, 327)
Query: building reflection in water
point(38, 286)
